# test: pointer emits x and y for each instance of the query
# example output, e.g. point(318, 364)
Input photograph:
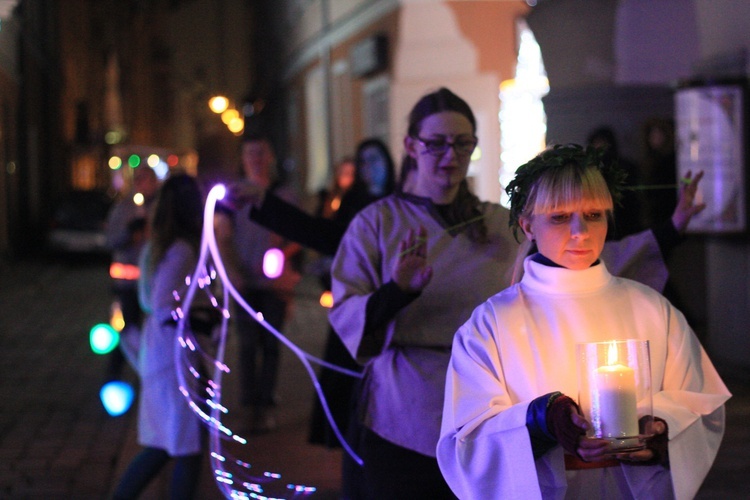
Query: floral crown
point(559, 156)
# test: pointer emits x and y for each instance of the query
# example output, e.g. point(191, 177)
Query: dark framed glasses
point(463, 146)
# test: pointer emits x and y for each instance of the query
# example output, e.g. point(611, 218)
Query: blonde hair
point(568, 188)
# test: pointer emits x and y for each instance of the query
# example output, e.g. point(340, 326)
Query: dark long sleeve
point(322, 235)
point(382, 307)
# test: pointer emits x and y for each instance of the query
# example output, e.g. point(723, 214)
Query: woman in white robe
point(509, 420)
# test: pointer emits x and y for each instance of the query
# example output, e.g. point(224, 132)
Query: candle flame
point(612, 354)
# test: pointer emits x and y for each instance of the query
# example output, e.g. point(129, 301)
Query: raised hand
point(411, 272)
point(686, 206)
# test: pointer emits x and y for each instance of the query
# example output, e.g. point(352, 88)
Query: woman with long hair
point(167, 427)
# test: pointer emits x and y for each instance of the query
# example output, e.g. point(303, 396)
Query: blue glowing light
point(117, 397)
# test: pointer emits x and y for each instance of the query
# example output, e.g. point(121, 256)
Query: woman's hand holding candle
point(657, 446)
point(568, 426)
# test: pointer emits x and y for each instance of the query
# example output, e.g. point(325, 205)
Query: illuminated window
point(523, 124)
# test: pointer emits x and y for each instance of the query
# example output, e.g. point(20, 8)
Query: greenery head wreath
point(559, 156)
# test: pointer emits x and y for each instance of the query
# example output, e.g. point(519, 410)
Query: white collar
point(560, 280)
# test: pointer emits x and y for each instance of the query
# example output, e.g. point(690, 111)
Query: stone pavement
point(56, 440)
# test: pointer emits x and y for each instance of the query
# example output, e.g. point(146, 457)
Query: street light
point(218, 104)
point(229, 115)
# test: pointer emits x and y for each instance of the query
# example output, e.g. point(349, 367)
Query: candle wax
point(614, 406)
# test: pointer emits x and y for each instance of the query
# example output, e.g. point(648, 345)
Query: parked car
point(78, 223)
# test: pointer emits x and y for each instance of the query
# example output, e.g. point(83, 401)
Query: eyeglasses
point(438, 147)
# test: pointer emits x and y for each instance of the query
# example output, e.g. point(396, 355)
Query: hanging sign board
point(710, 128)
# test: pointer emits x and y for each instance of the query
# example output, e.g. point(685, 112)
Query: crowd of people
point(461, 315)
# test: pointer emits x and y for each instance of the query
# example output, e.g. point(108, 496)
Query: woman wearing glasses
point(391, 321)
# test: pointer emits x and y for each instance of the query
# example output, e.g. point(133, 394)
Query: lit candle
point(614, 406)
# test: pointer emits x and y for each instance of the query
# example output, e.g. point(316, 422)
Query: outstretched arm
point(284, 218)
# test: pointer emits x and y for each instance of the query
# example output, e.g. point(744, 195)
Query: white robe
point(520, 345)
point(165, 420)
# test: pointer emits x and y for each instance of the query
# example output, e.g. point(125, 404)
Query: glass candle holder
point(614, 391)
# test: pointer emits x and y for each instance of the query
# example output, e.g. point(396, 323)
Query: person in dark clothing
point(374, 178)
point(318, 233)
point(660, 167)
point(244, 245)
point(629, 215)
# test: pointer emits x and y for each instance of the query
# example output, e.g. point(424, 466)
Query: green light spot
point(103, 338)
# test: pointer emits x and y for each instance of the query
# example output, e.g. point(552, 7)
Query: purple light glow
point(273, 263)
point(188, 351)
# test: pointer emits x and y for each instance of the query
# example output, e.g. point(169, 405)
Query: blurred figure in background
point(344, 174)
point(660, 167)
point(126, 234)
point(167, 427)
point(630, 214)
point(375, 177)
point(244, 245)
point(376, 165)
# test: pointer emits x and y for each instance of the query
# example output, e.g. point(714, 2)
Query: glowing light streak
point(187, 352)
point(301, 488)
point(219, 407)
